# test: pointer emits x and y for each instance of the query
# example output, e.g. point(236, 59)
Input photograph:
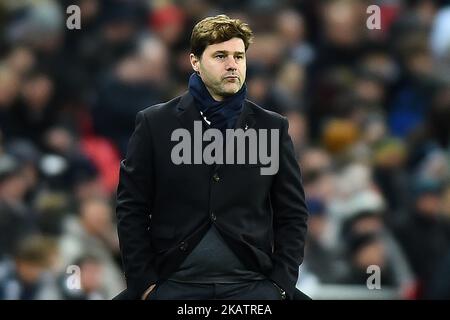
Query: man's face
point(222, 67)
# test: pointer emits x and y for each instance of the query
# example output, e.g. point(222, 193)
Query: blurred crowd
point(369, 115)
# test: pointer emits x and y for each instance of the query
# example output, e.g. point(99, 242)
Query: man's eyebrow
point(226, 52)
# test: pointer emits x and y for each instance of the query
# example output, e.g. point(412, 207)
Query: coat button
point(183, 246)
point(216, 177)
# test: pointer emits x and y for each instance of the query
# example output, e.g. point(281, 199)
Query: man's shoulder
point(161, 108)
point(264, 113)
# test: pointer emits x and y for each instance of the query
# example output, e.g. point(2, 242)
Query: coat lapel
point(246, 119)
point(187, 112)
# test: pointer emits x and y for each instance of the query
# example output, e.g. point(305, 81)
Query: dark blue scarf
point(222, 114)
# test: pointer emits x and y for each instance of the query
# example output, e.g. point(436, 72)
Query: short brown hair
point(36, 250)
point(218, 29)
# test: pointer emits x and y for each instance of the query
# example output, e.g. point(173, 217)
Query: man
point(210, 231)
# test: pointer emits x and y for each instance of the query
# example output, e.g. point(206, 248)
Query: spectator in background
point(288, 91)
point(389, 158)
point(52, 207)
point(409, 105)
point(369, 95)
point(167, 22)
point(28, 157)
point(298, 130)
point(27, 275)
point(258, 83)
point(318, 173)
point(377, 61)
point(93, 232)
point(339, 136)
point(425, 234)
point(137, 81)
point(322, 262)
point(90, 281)
point(62, 144)
point(35, 111)
point(365, 215)
point(291, 27)
point(17, 220)
point(21, 60)
point(364, 250)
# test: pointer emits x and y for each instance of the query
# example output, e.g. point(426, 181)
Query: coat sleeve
point(289, 216)
point(134, 194)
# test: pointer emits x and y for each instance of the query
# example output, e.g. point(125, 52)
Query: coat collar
point(187, 113)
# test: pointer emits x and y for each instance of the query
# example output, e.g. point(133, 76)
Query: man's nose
point(231, 64)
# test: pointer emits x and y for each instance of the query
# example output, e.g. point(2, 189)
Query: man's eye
point(220, 56)
point(239, 57)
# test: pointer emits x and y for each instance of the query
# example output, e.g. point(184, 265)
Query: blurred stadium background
point(369, 114)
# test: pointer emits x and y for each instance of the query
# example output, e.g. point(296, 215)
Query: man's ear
point(194, 62)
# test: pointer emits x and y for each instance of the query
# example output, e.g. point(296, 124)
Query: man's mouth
point(232, 77)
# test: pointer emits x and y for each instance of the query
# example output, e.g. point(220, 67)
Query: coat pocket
point(162, 237)
point(163, 231)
